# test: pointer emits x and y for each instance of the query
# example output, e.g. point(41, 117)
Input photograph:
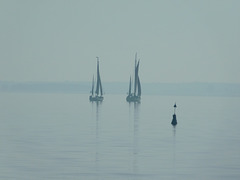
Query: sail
point(130, 87)
point(98, 78)
point(135, 96)
point(139, 88)
point(92, 86)
point(97, 95)
point(135, 80)
point(100, 85)
point(136, 77)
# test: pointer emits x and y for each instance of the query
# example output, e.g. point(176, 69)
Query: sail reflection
point(135, 149)
point(136, 126)
point(97, 118)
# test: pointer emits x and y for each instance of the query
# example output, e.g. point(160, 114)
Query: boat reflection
point(96, 106)
point(134, 128)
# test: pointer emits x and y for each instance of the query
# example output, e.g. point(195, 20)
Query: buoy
point(174, 120)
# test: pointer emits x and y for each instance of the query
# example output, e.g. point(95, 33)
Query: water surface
point(64, 136)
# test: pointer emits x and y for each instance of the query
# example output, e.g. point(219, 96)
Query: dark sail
point(98, 79)
point(100, 84)
point(130, 87)
point(136, 78)
point(136, 95)
point(135, 75)
point(92, 86)
point(96, 97)
point(139, 88)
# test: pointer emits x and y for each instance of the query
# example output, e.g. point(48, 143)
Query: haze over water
point(50, 130)
point(64, 136)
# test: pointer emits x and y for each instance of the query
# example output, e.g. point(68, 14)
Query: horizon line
point(68, 81)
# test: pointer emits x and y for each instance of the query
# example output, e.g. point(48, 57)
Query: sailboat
point(136, 95)
point(98, 95)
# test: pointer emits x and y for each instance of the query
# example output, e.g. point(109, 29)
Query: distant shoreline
point(163, 89)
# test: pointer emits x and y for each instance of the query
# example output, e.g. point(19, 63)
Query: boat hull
point(133, 98)
point(95, 98)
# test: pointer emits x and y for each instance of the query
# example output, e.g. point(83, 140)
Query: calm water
point(64, 136)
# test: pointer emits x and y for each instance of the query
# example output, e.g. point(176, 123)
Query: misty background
point(189, 55)
point(178, 42)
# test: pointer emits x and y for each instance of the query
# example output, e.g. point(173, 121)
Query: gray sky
point(177, 41)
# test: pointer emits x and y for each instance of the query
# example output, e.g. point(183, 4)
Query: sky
point(176, 40)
